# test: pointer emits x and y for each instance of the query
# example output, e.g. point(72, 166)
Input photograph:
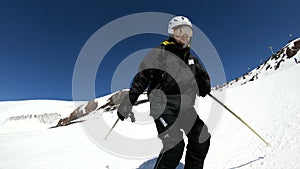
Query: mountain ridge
point(286, 57)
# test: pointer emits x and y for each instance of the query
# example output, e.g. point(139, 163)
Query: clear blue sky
point(41, 40)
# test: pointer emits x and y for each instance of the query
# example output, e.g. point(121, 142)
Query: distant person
point(173, 77)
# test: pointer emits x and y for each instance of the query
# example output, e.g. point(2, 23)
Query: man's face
point(183, 34)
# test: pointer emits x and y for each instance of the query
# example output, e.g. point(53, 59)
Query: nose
point(184, 36)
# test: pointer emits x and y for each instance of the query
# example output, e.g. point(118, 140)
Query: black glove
point(204, 91)
point(125, 110)
point(204, 86)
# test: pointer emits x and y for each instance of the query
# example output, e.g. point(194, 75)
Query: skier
point(173, 77)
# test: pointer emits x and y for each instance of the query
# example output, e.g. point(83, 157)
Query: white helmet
point(178, 21)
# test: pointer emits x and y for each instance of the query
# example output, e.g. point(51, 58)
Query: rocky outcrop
point(114, 101)
point(79, 112)
point(111, 104)
point(285, 57)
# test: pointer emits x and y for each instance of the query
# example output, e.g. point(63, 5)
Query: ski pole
point(105, 138)
point(238, 118)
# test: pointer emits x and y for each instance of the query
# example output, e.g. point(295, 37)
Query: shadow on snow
point(150, 164)
point(243, 165)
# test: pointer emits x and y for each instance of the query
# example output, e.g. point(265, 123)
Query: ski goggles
point(183, 31)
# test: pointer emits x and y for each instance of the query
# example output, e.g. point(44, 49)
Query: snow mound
point(32, 115)
point(42, 118)
point(29, 122)
point(45, 118)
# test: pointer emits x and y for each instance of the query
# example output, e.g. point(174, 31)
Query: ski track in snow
point(246, 164)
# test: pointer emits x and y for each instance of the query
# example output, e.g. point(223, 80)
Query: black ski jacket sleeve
point(145, 73)
point(203, 79)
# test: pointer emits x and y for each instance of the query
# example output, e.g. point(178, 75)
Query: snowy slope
point(271, 107)
point(270, 104)
point(31, 115)
point(287, 57)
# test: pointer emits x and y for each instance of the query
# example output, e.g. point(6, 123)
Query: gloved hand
point(125, 110)
point(204, 86)
point(204, 91)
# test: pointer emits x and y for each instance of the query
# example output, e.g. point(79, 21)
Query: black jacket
point(173, 78)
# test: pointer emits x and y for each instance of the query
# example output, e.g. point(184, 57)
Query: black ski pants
point(169, 131)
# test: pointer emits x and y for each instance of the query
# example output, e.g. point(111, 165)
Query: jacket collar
point(176, 48)
point(172, 41)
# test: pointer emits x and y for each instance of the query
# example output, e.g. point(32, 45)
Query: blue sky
point(41, 40)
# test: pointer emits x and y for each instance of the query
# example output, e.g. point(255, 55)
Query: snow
point(31, 115)
point(269, 104)
point(277, 62)
point(271, 107)
point(60, 148)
